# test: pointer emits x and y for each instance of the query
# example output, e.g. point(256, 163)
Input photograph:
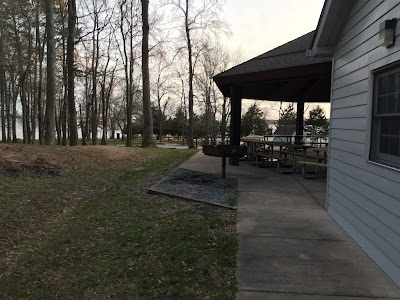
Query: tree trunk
point(103, 113)
point(208, 116)
point(40, 90)
point(14, 106)
point(147, 116)
point(82, 125)
point(106, 97)
point(128, 68)
point(72, 124)
point(58, 129)
point(160, 116)
point(129, 104)
point(95, 63)
point(85, 124)
point(112, 125)
point(21, 81)
point(224, 119)
point(2, 106)
point(63, 102)
point(35, 76)
point(2, 88)
point(190, 61)
point(8, 112)
point(24, 73)
point(63, 113)
point(50, 91)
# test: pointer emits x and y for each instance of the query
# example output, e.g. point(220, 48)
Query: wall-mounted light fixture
point(387, 33)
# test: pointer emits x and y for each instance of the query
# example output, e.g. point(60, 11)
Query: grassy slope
point(109, 237)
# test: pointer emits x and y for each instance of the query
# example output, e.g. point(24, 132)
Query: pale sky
point(260, 25)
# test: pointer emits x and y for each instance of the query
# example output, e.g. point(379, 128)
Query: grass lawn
point(77, 223)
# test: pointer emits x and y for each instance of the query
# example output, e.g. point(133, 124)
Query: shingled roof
point(275, 68)
point(290, 54)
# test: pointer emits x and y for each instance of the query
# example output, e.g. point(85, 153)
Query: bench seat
point(303, 164)
point(310, 163)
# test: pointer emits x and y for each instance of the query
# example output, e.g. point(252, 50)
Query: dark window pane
point(392, 84)
point(394, 146)
point(382, 104)
point(385, 125)
point(384, 144)
point(383, 85)
point(391, 103)
point(397, 81)
point(395, 126)
point(396, 108)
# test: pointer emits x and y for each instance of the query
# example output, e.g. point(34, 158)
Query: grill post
point(223, 166)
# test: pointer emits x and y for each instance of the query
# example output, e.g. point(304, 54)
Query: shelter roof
point(290, 54)
point(269, 75)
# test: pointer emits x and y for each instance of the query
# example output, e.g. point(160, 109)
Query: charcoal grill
point(224, 151)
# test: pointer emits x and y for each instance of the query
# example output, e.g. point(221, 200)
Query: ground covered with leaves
point(78, 223)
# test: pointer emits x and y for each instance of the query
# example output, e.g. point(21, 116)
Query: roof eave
point(314, 71)
point(320, 52)
point(321, 47)
point(321, 67)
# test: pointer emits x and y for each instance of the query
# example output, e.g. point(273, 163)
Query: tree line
point(95, 66)
point(254, 121)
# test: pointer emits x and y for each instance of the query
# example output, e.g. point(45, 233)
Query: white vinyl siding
point(363, 197)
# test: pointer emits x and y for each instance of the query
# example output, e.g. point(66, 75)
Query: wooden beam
point(299, 121)
point(296, 72)
point(236, 119)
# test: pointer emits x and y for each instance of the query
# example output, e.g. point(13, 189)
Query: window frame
point(375, 155)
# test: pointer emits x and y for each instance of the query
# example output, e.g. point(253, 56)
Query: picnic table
point(252, 145)
point(320, 163)
point(294, 151)
point(273, 151)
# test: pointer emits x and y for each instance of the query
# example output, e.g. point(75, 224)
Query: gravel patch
point(200, 187)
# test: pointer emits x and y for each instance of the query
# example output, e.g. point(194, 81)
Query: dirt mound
point(14, 163)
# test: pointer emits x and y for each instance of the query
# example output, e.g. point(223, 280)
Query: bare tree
point(36, 71)
point(106, 92)
point(213, 61)
point(39, 100)
point(2, 84)
point(95, 64)
point(163, 85)
point(204, 84)
point(190, 65)
point(50, 92)
point(61, 117)
point(197, 19)
point(147, 116)
point(72, 122)
point(128, 28)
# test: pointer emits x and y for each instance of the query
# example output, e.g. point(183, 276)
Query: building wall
point(363, 197)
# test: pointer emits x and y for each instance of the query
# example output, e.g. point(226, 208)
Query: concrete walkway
point(289, 247)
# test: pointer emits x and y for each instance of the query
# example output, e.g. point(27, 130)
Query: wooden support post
point(299, 121)
point(236, 118)
point(223, 166)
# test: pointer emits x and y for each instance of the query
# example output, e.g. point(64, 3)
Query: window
point(385, 142)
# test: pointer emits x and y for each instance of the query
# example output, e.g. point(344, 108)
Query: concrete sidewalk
point(289, 247)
